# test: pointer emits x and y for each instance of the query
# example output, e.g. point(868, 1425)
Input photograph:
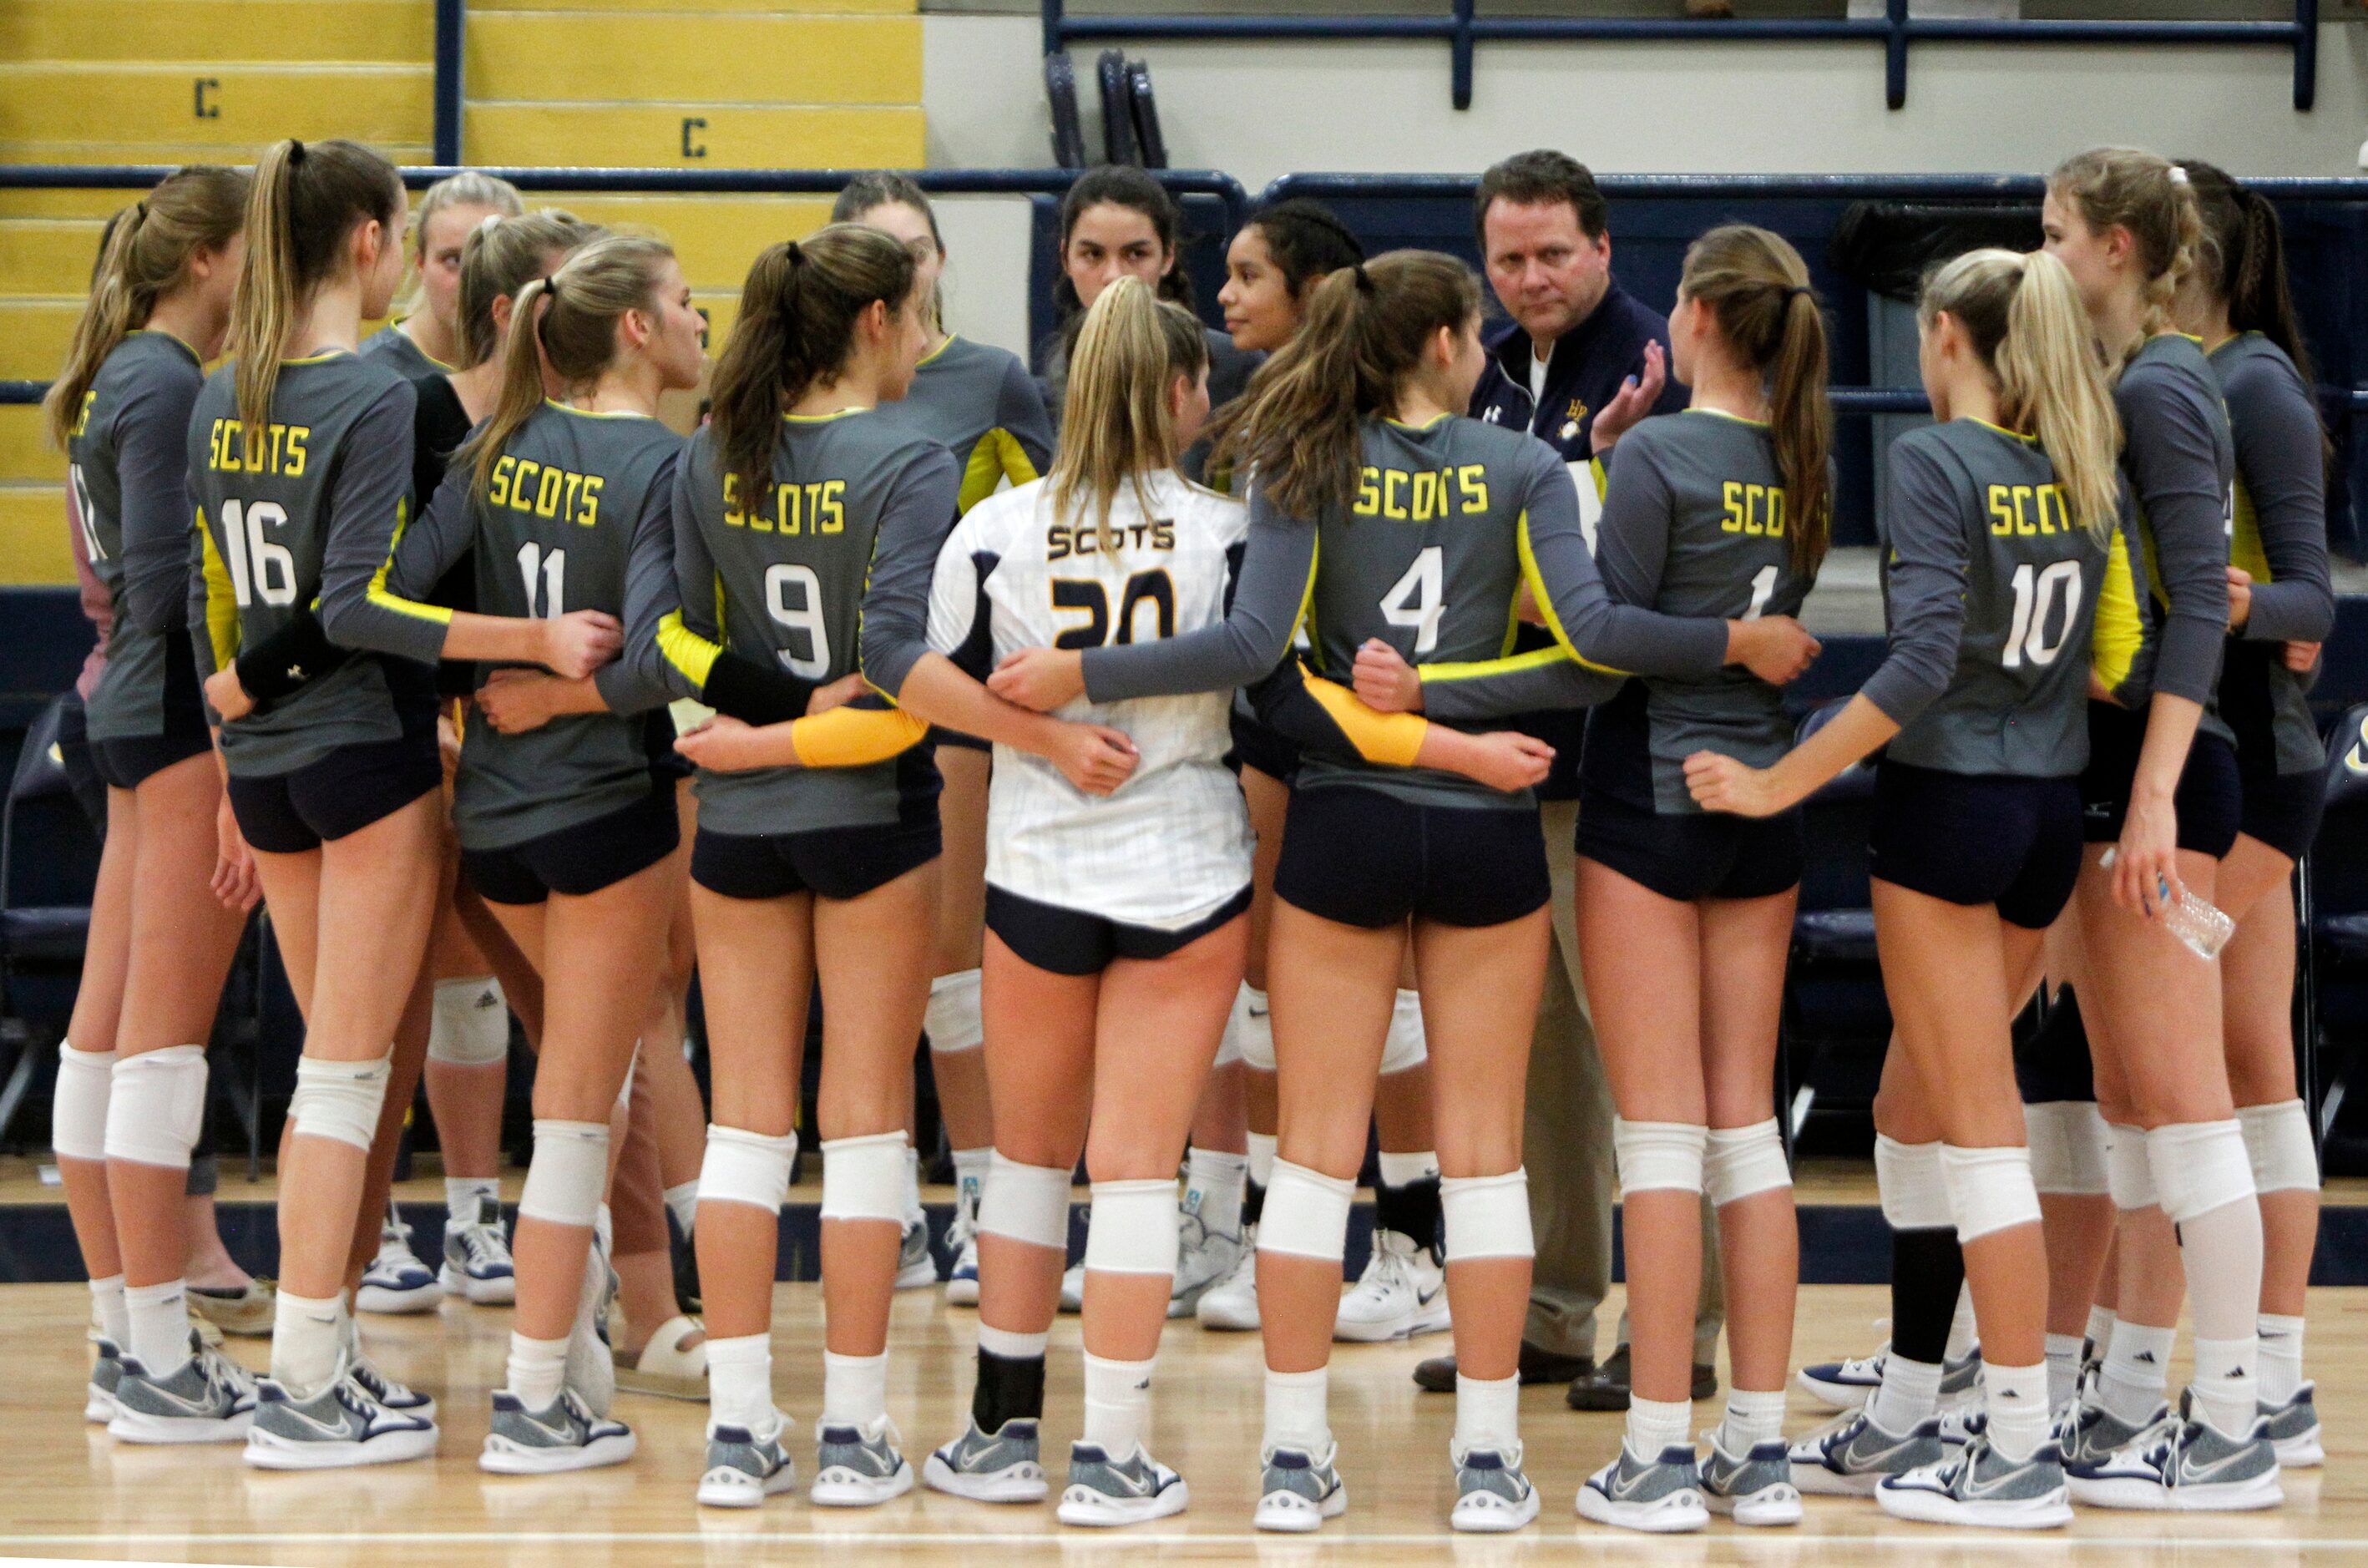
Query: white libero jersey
point(1173, 843)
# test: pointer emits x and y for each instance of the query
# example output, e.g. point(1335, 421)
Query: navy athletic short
point(1690, 855)
point(2210, 800)
point(829, 862)
point(289, 813)
point(1970, 839)
point(581, 860)
point(1365, 857)
point(1070, 941)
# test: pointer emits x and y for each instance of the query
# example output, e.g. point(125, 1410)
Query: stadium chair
point(2335, 979)
point(1061, 95)
point(1835, 1020)
point(1145, 107)
point(49, 864)
point(1118, 109)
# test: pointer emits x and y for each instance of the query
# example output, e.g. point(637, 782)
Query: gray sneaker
point(591, 1365)
point(1978, 1485)
point(107, 1374)
point(1104, 1492)
point(566, 1437)
point(1204, 1259)
point(2090, 1433)
point(1492, 1496)
point(1847, 1458)
point(854, 1469)
point(477, 1263)
point(1751, 1488)
point(341, 1427)
point(742, 1468)
point(1961, 1379)
point(998, 1467)
point(1298, 1491)
point(2293, 1428)
point(2184, 1466)
point(1660, 1496)
point(207, 1399)
point(917, 1267)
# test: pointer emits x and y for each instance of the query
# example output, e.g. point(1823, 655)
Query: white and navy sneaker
point(396, 1282)
point(1104, 1492)
point(1298, 1491)
point(207, 1399)
point(1492, 1496)
point(856, 1469)
point(1850, 1456)
point(1961, 1423)
point(743, 1468)
point(566, 1437)
point(477, 1264)
point(591, 1372)
point(341, 1427)
point(1073, 1287)
point(107, 1373)
point(961, 1279)
point(917, 1267)
point(2090, 1433)
point(1979, 1486)
point(1233, 1302)
point(1204, 1259)
point(2294, 1430)
point(399, 1397)
point(1403, 1292)
point(1660, 1496)
point(2184, 1466)
point(1751, 1488)
point(998, 1467)
point(1845, 1384)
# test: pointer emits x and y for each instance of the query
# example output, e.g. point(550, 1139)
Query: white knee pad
point(569, 1172)
point(1133, 1228)
point(1229, 1044)
point(2200, 1167)
point(1026, 1203)
point(1658, 1155)
point(1253, 1029)
point(2129, 1174)
point(156, 1105)
point(469, 1023)
point(1407, 1046)
point(2067, 1148)
point(340, 1100)
point(1306, 1213)
point(746, 1167)
point(1907, 1179)
point(1989, 1189)
point(863, 1178)
point(2277, 1137)
point(952, 1020)
point(1486, 1216)
point(1743, 1162)
point(78, 1109)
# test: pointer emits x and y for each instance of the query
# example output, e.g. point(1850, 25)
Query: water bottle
point(2203, 926)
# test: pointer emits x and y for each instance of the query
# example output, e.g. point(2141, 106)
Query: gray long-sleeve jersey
point(2181, 464)
point(392, 346)
point(572, 516)
point(1989, 591)
point(2280, 536)
point(305, 521)
point(129, 462)
point(829, 574)
point(980, 404)
point(1695, 524)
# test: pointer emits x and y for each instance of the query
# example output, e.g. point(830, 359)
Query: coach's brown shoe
point(1437, 1375)
point(1606, 1388)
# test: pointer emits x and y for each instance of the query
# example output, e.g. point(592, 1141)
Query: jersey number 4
point(1154, 587)
point(258, 568)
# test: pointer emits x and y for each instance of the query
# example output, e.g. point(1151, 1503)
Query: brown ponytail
point(500, 256)
point(1756, 287)
point(146, 252)
point(2244, 263)
point(796, 328)
point(1298, 429)
point(2149, 196)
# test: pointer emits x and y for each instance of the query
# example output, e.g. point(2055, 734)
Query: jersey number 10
point(2034, 598)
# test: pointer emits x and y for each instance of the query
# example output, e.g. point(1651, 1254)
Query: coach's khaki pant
point(1567, 1140)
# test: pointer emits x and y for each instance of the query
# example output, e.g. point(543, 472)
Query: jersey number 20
point(1153, 587)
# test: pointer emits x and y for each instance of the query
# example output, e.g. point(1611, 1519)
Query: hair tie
point(140, 211)
point(490, 221)
point(1796, 290)
point(797, 254)
point(1365, 284)
point(295, 151)
point(2178, 174)
point(551, 287)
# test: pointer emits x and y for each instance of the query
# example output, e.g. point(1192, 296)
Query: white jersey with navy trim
point(1173, 843)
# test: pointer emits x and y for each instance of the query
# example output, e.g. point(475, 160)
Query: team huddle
point(1164, 733)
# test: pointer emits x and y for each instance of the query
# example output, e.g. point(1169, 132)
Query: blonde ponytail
point(1116, 425)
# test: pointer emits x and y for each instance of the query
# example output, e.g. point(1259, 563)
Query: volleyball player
point(563, 829)
point(431, 338)
point(131, 1072)
point(2162, 790)
point(1995, 539)
point(980, 402)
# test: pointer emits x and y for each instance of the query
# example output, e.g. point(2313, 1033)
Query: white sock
point(1404, 1170)
point(1909, 1395)
point(1962, 1334)
point(2100, 1332)
point(2062, 1368)
point(158, 1316)
point(462, 1193)
point(1657, 1423)
point(1117, 1403)
point(1212, 1190)
point(1007, 1346)
point(1487, 1417)
point(2281, 1357)
point(2137, 1370)
point(970, 1166)
point(1261, 1158)
point(2018, 1407)
point(115, 1318)
point(740, 1383)
point(2221, 1251)
point(1752, 1417)
point(538, 1370)
point(854, 1390)
point(304, 1343)
point(913, 1214)
point(682, 1203)
point(2227, 1385)
point(1295, 1416)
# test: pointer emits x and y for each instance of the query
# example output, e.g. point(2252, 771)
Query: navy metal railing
point(1463, 28)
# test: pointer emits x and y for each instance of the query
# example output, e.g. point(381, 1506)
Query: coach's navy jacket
point(1585, 372)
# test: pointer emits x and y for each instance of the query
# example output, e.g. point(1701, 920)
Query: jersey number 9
point(258, 568)
point(805, 616)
